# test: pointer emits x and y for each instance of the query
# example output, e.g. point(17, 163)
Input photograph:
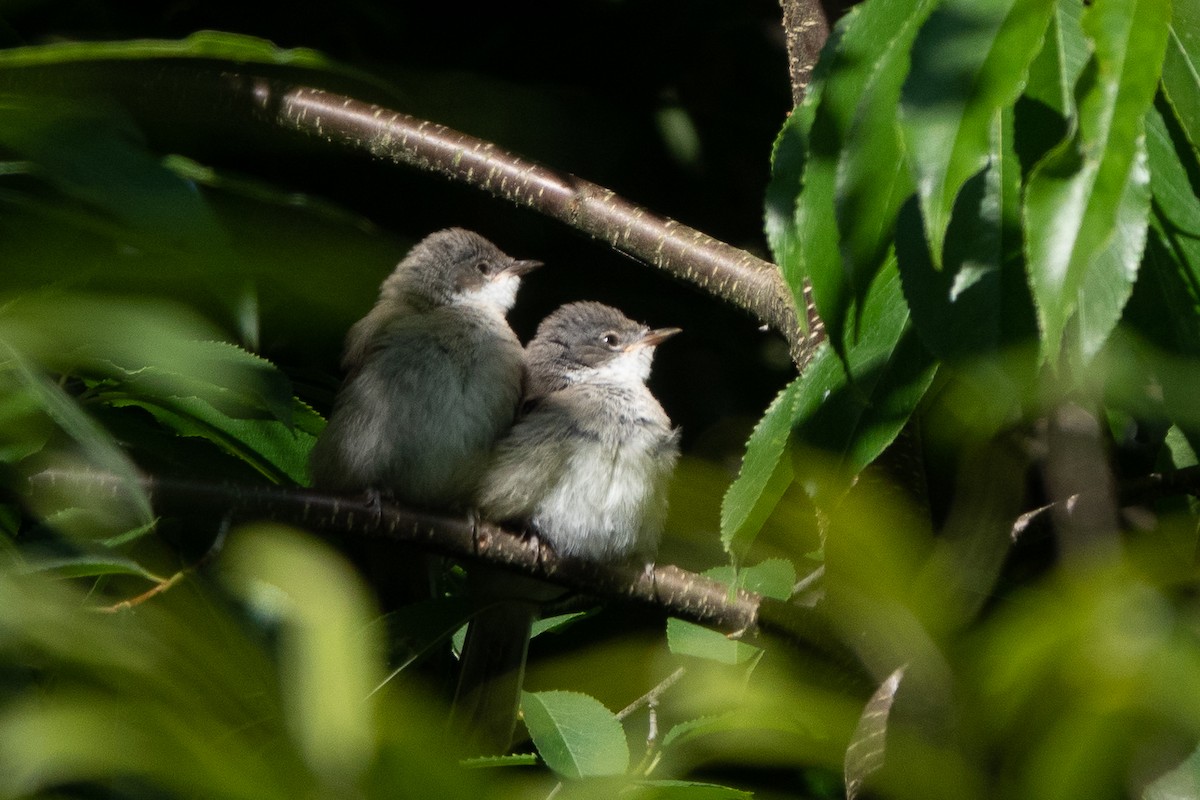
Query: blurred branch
point(1137, 491)
point(672, 590)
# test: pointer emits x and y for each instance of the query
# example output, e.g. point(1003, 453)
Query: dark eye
point(484, 267)
point(610, 339)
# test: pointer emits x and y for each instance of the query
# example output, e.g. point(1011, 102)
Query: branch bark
point(720, 269)
point(211, 97)
point(667, 588)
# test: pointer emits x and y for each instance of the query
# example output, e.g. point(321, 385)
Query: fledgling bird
point(434, 376)
point(585, 468)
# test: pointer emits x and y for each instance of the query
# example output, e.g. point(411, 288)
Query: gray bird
point(434, 376)
point(585, 468)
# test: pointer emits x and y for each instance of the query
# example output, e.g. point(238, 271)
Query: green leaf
point(86, 565)
point(689, 639)
point(1065, 50)
point(852, 422)
point(278, 451)
point(203, 44)
point(853, 55)
point(514, 760)
point(1087, 201)
point(1175, 225)
point(873, 180)
point(774, 577)
point(978, 302)
point(1181, 67)
point(969, 61)
point(684, 790)
point(765, 474)
point(330, 666)
point(789, 154)
point(575, 734)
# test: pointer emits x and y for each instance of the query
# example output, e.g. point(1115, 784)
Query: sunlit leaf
point(774, 577)
point(852, 421)
point(1087, 201)
point(689, 639)
point(968, 62)
point(1181, 67)
point(1053, 73)
point(575, 734)
point(861, 40)
point(765, 474)
point(873, 180)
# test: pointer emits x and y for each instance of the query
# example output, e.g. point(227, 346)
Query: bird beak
point(655, 337)
point(520, 268)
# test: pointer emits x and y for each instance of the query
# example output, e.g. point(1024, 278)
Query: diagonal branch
point(191, 94)
point(669, 589)
point(688, 254)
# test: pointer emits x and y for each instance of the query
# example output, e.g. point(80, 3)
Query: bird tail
point(493, 669)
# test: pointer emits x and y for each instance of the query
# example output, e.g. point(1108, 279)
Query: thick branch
point(197, 94)
point(720, 269)
point(805, 28)
point(670, 589)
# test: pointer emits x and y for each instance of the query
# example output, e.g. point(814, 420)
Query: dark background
point(580, 87)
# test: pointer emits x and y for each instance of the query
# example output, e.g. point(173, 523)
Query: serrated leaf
point(278, 451)
point(689, 639)
point(86, 565)
point(575, 734)
point(765, 474)
point(514, 760)
point(1053, 73)
point(1087, 201)
point(872, 179)
point(969, 61)
point(852, 422)
point(978, 301)
point(684, 790)
point(789, 154)
point(852, 55)
point(1181, 67)
point(774, 577)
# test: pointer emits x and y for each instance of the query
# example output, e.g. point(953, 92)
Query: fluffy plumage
point(434, 375)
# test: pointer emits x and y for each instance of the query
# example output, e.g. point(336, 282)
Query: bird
point(434, 375)
point(584, 468)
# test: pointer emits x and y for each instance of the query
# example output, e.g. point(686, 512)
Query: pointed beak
point(520, 268)
point(655, 337)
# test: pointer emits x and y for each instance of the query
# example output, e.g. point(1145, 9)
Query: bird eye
point(484, 267)
point(610, 339)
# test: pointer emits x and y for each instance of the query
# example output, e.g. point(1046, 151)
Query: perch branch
point(667, 588)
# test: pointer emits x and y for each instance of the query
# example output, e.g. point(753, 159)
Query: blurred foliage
point(995, 203)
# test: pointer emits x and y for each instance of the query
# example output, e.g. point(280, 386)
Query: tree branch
point(672, 590)
point(688, 254)
point(805, 29)
point(198, 93)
